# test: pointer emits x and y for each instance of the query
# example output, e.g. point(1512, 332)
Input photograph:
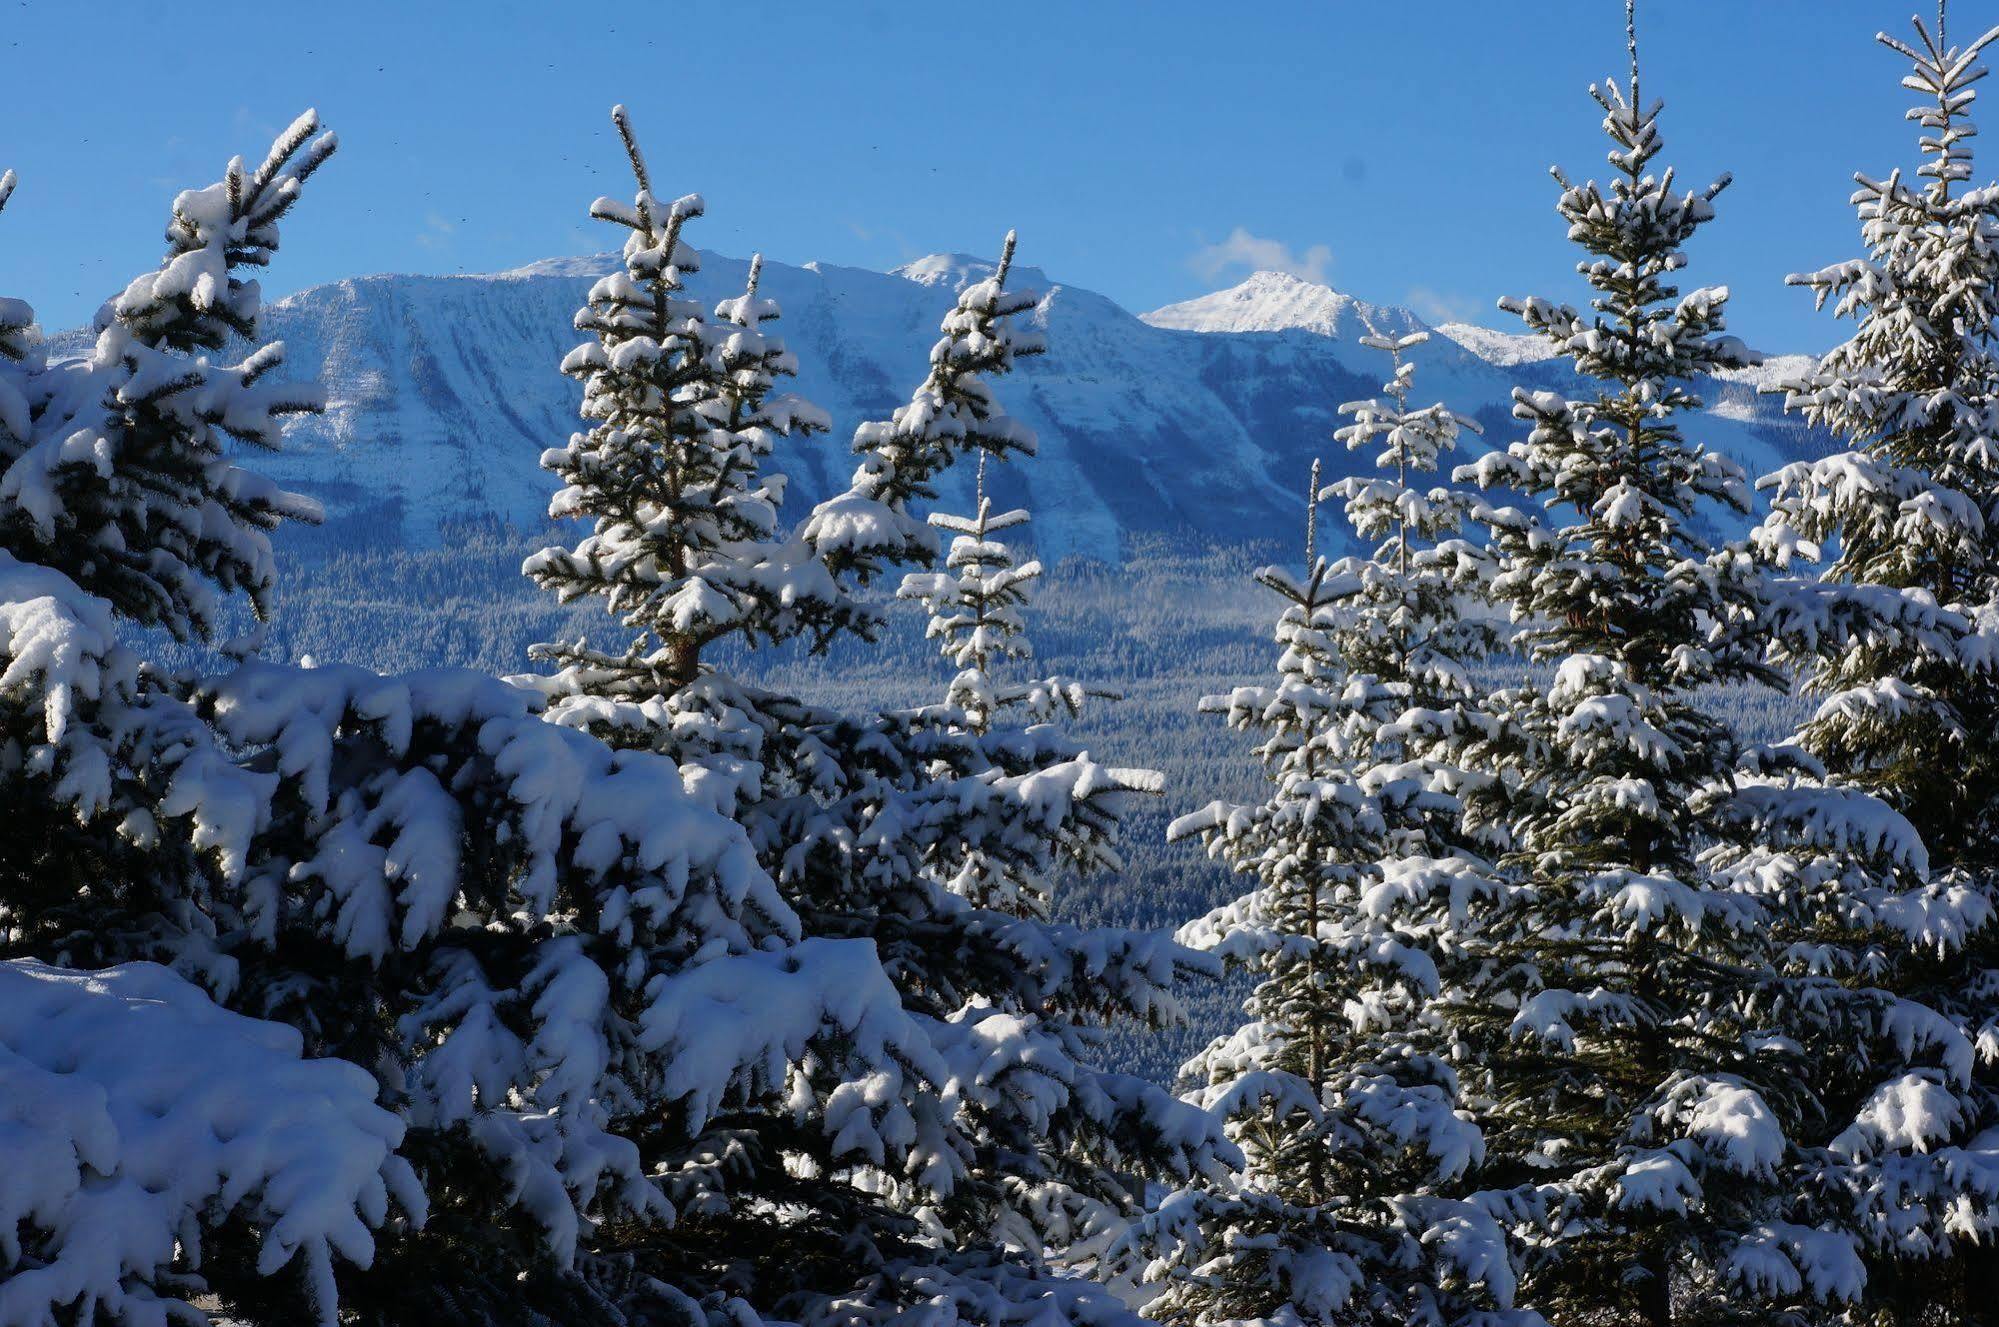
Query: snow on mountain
point(1280, 302)
point(952, 272)
point(1197, 420)
point(1741, 396)
point(1501, 348)
point(1745, 396)
point(1772, 371)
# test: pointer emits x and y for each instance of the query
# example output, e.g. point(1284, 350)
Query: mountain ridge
point(443, 392)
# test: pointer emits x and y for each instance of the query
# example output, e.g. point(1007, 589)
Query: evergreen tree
point(541, 961)
point(684, 543)
point(975, 608)
point(117, 504)
point(126, 487)
point(870, 527)
point(1406, 627)
point(1673, 1010)
point(21, 363)
point(1897, 638)
point(149, 1123)
point(1358, 1204)
point(953, 1183)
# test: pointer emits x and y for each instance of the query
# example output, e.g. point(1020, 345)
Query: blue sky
point(1397, 150)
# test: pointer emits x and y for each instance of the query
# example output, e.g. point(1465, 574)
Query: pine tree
point(103, 1065)
point(976, 616)
point(359, 995)
point(1358, 1204)
point(126, 487)
point(975, 607)
point(958, 1180)
point(21, 363)
point(1896, 639)
point(1406, 628)
point(1055, 1177)
point(116, 503)
point(684, 542)
point(1675, 1008)
point(870, 527)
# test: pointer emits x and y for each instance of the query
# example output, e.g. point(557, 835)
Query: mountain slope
point(1197, 421)
point(1280, 302)
point(1504, 349)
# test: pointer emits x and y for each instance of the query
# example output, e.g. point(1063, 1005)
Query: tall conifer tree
point(1674, 1016)
point(1360, 1203)
point(929, 835)
point(685, 545)
point(1897, 639)
point(976, 615)
point(976, 606)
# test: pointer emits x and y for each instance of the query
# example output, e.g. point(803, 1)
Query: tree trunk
point(684, 657)
point(1655, 1292)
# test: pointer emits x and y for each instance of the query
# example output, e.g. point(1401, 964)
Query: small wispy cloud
point(1259, 253)
point(1438, 306)
point(437, 231)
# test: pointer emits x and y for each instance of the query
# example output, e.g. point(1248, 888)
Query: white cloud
point(437, 232)
point(1437, 306)
point(1259, 254)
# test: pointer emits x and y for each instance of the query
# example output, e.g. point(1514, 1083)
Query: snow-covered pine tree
point(537, 956)
point(125, 487)
point(1676, 992)
point(1360, 1201)
point(117, 494)
point(684, 542)
point(21, 363)
point(866, 822)
point(929, 753)
point(1054, 1177)
point(976, 617)
point(1898, 638)
point(870, 527)
point(1406, 627)
point(148, 1123)
point(975, 607)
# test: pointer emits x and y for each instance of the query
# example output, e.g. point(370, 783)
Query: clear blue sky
point(1397, 147)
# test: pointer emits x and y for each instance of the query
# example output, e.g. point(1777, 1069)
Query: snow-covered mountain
point(1200, 418)
point(1280, 302)
point(1504, 349)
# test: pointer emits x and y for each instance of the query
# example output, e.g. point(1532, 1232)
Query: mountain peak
point(944, 269)
point(955, 271)
point(1267, 301)
point(1265, 278)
